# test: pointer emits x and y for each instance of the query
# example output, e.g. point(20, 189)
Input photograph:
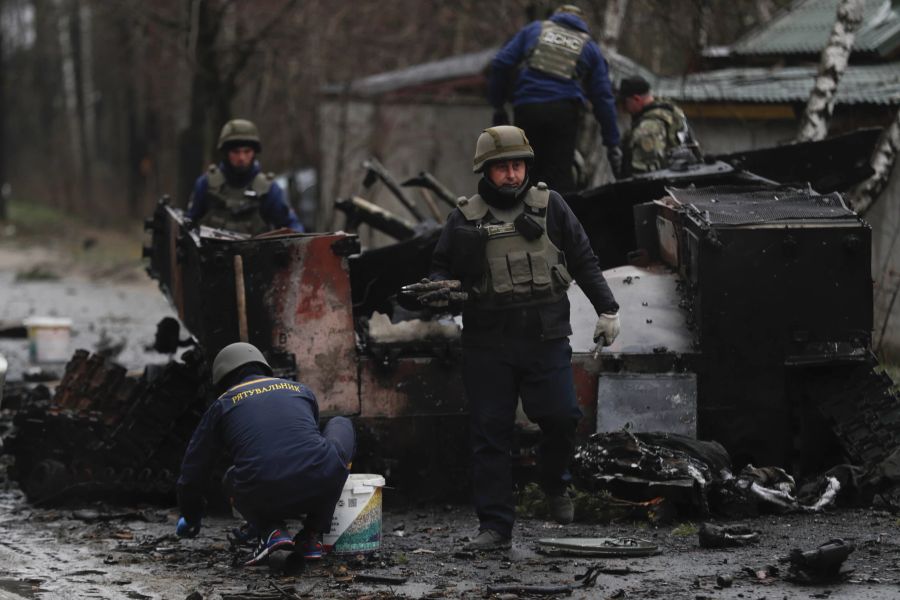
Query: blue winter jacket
point(270, 429)
point(274, 210)
point(533, 87)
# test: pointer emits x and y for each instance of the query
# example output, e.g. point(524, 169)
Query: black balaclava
point(501, 197)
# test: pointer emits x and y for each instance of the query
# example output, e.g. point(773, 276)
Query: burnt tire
point(48, 479)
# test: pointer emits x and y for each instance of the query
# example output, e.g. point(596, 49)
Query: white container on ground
point(48, 339)
point(356, 523)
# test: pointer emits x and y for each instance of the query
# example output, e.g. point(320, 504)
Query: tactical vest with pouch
point(236, 208)
point(516, 271)
point(557, 50)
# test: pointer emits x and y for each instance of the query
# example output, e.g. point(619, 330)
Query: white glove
point(607, 329)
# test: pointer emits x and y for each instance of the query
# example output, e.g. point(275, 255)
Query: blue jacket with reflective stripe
point(270, 429)
point(533, 87)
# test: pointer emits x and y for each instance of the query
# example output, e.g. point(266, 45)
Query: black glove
point(500, 117)
point(436, 294)
point(614, 156)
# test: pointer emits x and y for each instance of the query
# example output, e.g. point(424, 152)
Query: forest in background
point(107, 104)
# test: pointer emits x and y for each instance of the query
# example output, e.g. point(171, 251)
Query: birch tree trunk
point(3, 185)
point(764, 9)
point(833, 63)
point(883, 160)
point(70, 93)
point(613, 19)
point(88, 92)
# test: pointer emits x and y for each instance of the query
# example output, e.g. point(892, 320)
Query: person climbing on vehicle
point(548, 71)
point(282, 466)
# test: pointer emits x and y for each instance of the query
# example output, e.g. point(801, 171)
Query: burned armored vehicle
point(746, 299)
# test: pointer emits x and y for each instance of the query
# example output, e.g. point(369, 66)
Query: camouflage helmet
point(569, 8)
point(239, 132)
point(234, 356)
point(503, 142)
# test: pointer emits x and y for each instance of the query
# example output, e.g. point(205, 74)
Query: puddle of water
point(22, 589)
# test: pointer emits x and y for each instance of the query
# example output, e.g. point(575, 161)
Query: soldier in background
point(660, 133)
point(235, 194)
point(561, 68)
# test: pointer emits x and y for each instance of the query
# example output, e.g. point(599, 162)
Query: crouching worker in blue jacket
point(282, 466)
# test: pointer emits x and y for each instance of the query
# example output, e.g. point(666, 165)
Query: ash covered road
point(132, 552)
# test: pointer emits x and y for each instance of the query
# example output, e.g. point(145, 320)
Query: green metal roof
point(804, 26)
point(869, 84)
point(461, 66)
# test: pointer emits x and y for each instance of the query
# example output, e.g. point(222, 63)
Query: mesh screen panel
point(728, 205)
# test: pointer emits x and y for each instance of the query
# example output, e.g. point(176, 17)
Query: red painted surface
point(584, 371)
point(312, 312)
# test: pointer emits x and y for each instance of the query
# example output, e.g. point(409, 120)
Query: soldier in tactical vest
point(508, 255)
point(235, 194)
point(659, 134)
point(550, 68)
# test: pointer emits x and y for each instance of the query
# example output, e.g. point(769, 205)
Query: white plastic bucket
point(48, 339)
point(356, 523)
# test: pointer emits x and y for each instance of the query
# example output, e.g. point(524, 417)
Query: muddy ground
point(130, 552)
point(98, 551)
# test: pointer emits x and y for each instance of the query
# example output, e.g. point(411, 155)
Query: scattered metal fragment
point(523, 589)
point(600, 546)
point(726, 536)
point(724, 581)
point(380, 578)
point(589, 577)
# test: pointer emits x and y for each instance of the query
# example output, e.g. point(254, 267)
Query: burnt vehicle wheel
point(47, 479)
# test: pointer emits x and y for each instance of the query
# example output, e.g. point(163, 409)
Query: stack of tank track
point(862, 404)
point(108, 433)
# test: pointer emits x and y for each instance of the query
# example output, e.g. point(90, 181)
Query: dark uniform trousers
point(495, 377)
point(268, 513)
point(551, 127)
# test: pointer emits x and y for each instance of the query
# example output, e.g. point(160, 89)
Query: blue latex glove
point(185, 529)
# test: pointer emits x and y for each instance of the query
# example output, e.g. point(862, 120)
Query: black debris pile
point(695, 476)
point(643, 466)
point(106, 432)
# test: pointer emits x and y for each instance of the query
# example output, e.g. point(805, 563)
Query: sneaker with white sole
point(310, 545)
point(279, 539)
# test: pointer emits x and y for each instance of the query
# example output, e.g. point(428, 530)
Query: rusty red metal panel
point(312, 317)
point(584, 370)
point(411, 387)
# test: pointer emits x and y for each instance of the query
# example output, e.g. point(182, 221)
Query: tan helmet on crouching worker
point(503, 142)
point(234, 356)
point(571, 9)
point(239, 132)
